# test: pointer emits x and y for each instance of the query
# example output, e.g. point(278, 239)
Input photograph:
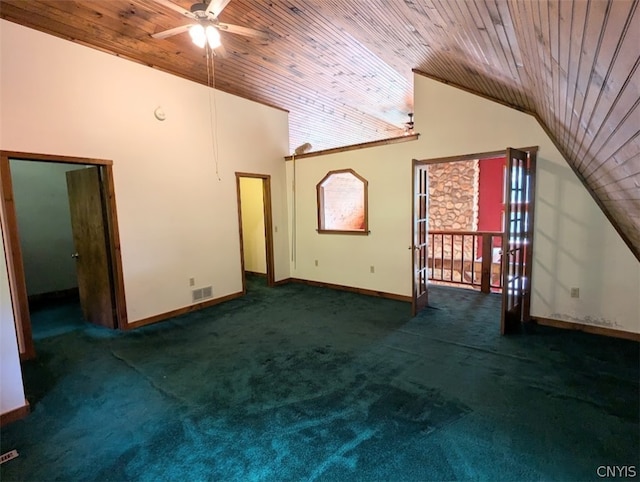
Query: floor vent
point(202, 293)
point(8, 456)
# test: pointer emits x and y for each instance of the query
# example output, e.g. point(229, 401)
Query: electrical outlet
point(372, 269)
point(192, 281)
point(575, 292)
point(275, 229)
point(316, 262)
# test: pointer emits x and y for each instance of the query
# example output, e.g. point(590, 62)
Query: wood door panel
point(91, 244)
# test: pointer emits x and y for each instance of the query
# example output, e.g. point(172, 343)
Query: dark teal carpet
point(55, 317)
point(304, 383)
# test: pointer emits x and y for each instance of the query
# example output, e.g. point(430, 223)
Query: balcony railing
point(471, 258)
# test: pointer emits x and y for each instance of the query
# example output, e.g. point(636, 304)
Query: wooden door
point(268, 230)
point(90, 238)
point(420, 244)
point(517, 239)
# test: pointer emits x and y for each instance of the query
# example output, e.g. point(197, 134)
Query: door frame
point(15, 264)
point(532, 151)
point(268, 225)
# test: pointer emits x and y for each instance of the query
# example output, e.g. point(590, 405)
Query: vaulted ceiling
point(343, 68)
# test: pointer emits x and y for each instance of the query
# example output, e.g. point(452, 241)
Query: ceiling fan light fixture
point(198, 35)
point(213, 36)
point(408, 126)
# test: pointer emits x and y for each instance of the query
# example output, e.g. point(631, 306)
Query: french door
point(517, 242)
point(420, 238)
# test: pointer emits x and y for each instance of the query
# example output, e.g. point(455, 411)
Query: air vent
point(202, 294)
point(197, 295)
point(8, 456)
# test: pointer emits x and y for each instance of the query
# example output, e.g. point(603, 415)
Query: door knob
point(75, 255)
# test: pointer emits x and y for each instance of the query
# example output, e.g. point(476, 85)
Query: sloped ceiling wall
point(343, 68)
point(582, 72)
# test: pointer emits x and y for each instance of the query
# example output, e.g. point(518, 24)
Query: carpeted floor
point(55, 317)
point(305, 383)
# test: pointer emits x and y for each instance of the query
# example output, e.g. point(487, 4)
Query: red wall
point(490, 195)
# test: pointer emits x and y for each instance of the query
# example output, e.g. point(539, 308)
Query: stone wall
point(453, 196)
point(453, 206)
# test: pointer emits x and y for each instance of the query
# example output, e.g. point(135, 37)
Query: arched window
point(342, 203)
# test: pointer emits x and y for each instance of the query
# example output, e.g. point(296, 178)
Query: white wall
point(174, 180)
point(253, 236)
point(44, 225)
point(346, 259)
point(11, 387)
point(575, 246)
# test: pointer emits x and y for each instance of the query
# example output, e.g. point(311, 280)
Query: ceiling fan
point(408, 126)
point(204, 26)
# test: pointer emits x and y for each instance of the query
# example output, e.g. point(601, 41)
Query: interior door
point(90, 237)
point(517, 242)
point(420, 237)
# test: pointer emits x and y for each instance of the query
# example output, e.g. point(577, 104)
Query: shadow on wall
point(558, 186)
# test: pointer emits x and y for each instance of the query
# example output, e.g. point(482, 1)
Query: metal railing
point(471, 258)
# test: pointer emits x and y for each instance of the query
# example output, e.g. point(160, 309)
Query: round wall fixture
point(159, 113)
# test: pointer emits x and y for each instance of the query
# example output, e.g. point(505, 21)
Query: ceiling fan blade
point(216, 6)
point(247, 32)
point(176, 8)
point(171, 32)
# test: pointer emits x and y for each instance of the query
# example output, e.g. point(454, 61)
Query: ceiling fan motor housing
point(199, 9)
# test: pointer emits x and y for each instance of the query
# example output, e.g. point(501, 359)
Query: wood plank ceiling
point(343, 68)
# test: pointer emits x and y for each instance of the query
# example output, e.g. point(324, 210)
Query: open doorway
point(448, 246)
point(58, 250)
point(255, 224)
point(466, 222)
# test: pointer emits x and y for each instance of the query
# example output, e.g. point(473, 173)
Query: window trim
point(320, 205)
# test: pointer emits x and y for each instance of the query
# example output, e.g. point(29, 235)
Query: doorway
point(473, 254)
point(255, 224)
point(101, 290)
